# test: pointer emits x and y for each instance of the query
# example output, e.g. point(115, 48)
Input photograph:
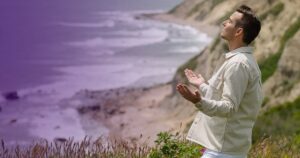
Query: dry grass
point(71, 149)
point(167, 146)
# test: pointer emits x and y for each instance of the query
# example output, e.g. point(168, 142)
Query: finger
point(186, 73)
point(189, 74)
point(197, 93)
point(180, 89)
point(192, 73)
point(182, 92)
point(186, 90)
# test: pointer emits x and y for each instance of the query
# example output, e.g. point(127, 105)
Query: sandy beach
point(139, 114)
point(133, 114)
point(130, 114)
point(211, 30)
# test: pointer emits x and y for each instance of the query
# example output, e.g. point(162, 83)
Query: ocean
point(56, 48)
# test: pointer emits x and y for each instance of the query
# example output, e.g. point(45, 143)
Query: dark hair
point(249, 22)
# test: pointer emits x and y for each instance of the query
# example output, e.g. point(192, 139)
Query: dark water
point(30, 40)
point(51, 49)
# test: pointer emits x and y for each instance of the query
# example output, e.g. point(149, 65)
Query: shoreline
point(210, 30)
point(133, 118)
point(128, 113)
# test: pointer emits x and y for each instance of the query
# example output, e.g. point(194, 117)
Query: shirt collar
point(246, 49)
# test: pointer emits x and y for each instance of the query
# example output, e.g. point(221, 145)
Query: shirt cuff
point(203, 104)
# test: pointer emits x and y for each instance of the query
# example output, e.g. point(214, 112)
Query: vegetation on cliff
point(269, 65)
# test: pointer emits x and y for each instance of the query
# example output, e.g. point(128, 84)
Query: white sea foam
point(117, 16)
point(200, 38)
point(145, 38)
point(105, 23)
point(100, 52)
point(80, 77)
point(95, 77)
point(151, 32)
point(193, 49)
point(132, 12)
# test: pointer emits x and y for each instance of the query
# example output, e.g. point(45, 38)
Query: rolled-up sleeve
point(235, 84)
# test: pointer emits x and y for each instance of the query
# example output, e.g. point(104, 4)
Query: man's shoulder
point(240, 58)
point(247, 62)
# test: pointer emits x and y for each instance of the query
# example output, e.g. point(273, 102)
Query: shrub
point(172, 146)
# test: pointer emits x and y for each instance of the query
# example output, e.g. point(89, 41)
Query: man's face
point(230, 29)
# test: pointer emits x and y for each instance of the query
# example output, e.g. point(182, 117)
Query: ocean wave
point(125, 16)
point(95, 77)
point(201, 38)
point(185, 50)
point(145, 33)
point(101, 52)
point(132, 12)
point(106, 23)
point(123, 42)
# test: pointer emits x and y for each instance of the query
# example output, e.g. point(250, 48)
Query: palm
point(187, 94)
point(193, 78)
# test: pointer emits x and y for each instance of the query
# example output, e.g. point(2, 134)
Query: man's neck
point(234, 45)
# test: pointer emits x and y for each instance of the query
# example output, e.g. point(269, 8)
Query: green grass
point(265, 101)
point(269, 65)
point(282, 120)
point(275, 11)
point(215, 3)
point(276, 147)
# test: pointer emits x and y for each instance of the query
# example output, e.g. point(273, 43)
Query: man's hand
point(187, 94)
point(193, 78)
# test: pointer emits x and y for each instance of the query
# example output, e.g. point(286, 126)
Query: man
point(230, 102)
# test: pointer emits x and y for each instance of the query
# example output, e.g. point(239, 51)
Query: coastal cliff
point(276, 48)
point(161, 108)
point(140, 114)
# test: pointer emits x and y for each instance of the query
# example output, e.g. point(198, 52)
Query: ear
point(239, 31)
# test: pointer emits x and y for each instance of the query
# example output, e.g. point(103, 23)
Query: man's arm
point(235, 84)
point(203, 88)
